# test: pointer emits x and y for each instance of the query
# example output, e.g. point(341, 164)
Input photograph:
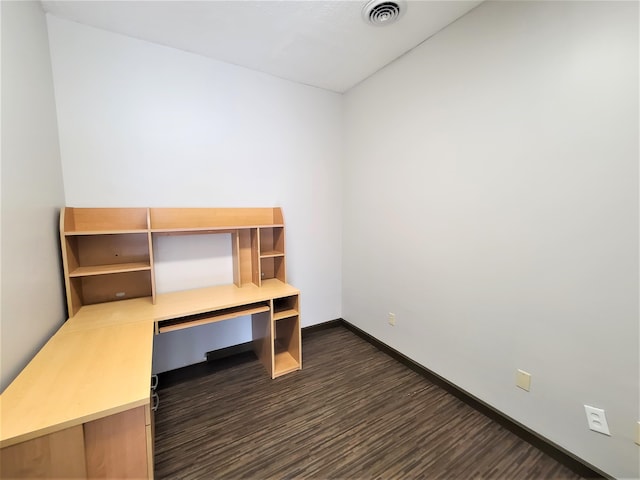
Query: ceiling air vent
point(383, 12)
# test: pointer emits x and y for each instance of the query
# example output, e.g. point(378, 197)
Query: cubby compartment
point(287, 355)
point(107, 254)
point(285, 307)
point(272, 242)
point(109, 288)
point(273, 267)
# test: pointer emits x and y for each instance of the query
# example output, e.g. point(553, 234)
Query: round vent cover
point(383, 12)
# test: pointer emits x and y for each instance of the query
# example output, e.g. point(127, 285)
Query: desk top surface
point(99, 362)
point(78, 376)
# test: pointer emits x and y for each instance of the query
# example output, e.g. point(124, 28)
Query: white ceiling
point(324, 43)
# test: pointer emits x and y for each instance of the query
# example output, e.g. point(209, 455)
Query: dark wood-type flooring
point(352, 412)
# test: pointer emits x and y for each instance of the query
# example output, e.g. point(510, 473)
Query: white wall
point(32, 191)
point(146, 125)
point(491, 203)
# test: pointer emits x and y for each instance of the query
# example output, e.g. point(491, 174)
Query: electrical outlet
point(638, 433)
point(597, 420)
point(392, 319)
point(523, 380)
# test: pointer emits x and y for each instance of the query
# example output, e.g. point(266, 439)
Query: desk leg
point(116, 446)
point(262, 329)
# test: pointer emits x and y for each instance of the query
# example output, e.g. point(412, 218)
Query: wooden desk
point(81, 407)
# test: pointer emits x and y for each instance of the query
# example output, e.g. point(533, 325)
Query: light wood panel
point(82, 220)
point(153, 273)
point(285, 314)
point(57, 455)
point(246, 257)
point(74, 294)
point(70, 252)
point(90, 317)
point(149, 436)
point(235, 253)
point(116, 446)
point(210, 218)
point(256, 273)
point(278, 218)
point(262, 333)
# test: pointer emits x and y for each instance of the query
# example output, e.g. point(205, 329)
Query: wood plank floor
point(352, 412)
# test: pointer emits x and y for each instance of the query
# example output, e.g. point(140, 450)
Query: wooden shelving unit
point(271, 253)
point(108, 256)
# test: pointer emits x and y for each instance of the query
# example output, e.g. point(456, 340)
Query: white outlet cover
point(597, 420)
point(523, 380)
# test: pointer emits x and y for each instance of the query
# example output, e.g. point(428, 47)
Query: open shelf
point(104, 232)
point(286, 345)
point(106, 266)
point(170, 325)
point(284, 363)
point(87, 290)
point(285, 314)
point(271, 254)
point(109, 269)
point(100, 251)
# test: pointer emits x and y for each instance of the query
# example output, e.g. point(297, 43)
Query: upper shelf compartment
point(87, 221)
point(271, 242)
point(212, 219)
